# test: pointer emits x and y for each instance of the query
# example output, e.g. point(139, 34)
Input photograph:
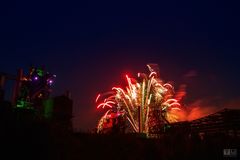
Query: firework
point(146, 102)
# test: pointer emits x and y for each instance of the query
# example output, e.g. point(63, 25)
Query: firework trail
point(142, 96)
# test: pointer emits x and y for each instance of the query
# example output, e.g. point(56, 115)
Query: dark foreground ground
point(22, 138)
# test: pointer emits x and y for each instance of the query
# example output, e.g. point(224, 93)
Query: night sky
point(91, 46)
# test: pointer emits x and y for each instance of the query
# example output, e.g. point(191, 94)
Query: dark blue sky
point(90, 46)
